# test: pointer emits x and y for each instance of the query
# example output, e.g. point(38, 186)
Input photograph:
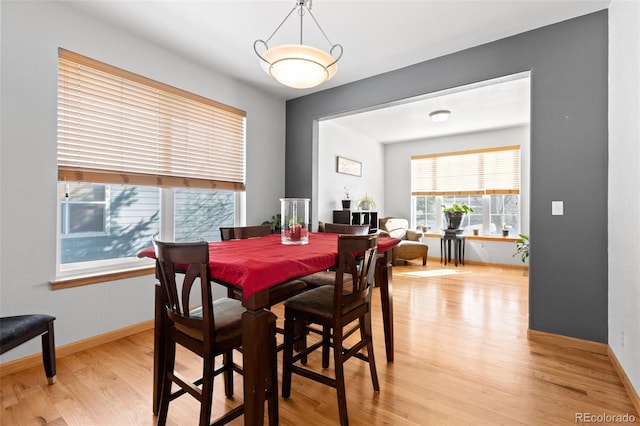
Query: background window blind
point(488, 171)
point(118, 127)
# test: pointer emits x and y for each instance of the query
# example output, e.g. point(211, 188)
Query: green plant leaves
point(457, 208)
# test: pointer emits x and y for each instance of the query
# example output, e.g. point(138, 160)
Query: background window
point(84, 209)
point(505, 211)
point(425, 212)
point(199, 213)
point(487, 180)
point(133, 216)
point(127, 221)
point(490, 212)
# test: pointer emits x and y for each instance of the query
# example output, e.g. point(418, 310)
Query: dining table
point(256, 265)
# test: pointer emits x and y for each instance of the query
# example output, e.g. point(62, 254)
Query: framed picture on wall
point(348, 167)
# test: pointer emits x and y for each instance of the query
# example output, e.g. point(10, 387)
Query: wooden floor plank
point(462, 358)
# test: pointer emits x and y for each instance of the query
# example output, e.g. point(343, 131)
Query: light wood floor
point(462, 358)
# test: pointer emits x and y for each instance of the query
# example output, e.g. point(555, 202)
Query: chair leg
point(424, 261)
point(287, 356)
point(165, 393)
point(326, 344)
point(365, 327)
point(300, 329)
point(49, 353)
point(206, 398)
point(227, 362)
point(339, 371)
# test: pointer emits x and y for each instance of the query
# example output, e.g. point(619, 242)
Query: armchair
point(410, 246)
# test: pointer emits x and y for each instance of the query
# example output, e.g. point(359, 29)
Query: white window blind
point(118, 127)
point(487, 171)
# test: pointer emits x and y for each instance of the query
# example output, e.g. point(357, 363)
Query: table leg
point(256, 327)
point(158, 347)
point(384, 277)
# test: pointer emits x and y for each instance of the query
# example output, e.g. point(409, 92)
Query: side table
point(458, 247)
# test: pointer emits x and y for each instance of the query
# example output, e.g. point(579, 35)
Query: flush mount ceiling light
point(298, 65)
point(440, 115)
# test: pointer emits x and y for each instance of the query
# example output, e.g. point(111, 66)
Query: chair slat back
point(181, 266)
point(340, 228)
point(243, 232)
point(356, 257)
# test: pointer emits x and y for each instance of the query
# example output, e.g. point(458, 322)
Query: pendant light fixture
point(298, 65)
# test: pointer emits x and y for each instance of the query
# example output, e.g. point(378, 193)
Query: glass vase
point(294, 220)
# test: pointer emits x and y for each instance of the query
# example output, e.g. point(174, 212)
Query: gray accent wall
point(569, 145)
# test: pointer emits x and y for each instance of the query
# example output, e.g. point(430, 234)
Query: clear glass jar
point(294, 220)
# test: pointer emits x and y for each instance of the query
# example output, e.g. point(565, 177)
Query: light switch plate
point(557, 208)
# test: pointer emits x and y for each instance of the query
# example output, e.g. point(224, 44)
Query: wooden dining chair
point(277, 294)
point(334, 307)
point(243, 232)
point(210, 330)
point(328, 277)
point(341, 228)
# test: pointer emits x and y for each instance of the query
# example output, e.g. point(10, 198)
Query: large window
point(116, 228)
point(199, 213)
point(101, 223)
point(490, 212)
point(84, 209)
point(488, 181)
point(138, 158)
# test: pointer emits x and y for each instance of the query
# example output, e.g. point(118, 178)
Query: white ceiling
point(495, 104)
point(377, 36)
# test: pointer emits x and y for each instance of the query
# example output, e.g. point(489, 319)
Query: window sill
point(496, 238)
point(100, 277)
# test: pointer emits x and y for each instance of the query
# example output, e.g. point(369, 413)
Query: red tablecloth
point(259, 263)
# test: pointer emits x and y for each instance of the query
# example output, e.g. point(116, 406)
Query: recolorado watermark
point(604, 418)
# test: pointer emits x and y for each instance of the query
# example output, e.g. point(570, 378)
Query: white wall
point(336, 140)
point(624, 186)
point(31, 33)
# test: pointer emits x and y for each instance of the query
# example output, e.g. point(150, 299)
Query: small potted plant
point(522, 247)
point(454, 214)
point(346, 201)
point(505, 230)
point(366, 203)
point(422, 227)
point(274, 223)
